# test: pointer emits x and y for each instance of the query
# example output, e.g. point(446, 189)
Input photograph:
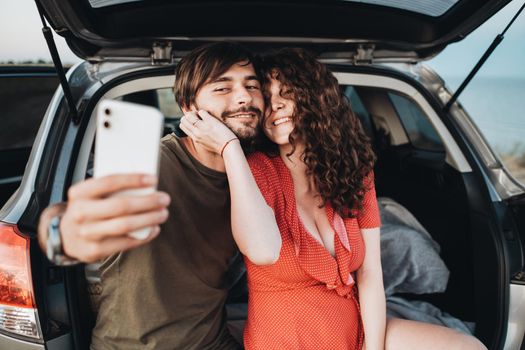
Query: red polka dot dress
point(308, 298)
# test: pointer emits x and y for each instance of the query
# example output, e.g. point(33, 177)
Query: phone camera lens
point(107, 111)
point(107, 124)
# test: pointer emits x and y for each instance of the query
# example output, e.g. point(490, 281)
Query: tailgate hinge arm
point(497, 40)
point(48, 35)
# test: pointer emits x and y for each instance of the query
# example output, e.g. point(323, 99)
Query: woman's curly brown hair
point(337, 152)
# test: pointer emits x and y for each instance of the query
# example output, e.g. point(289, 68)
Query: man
point(168, 292)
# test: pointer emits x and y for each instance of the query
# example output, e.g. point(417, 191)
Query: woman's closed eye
point(286, 93)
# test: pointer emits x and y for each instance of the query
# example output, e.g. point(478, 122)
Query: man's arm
point(94, 226)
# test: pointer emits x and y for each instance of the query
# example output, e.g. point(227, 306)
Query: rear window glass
point(424, 7)
point(421, 133)
point(495, 104)
point(167, 104)
point(104, 3)
point(23, 102)
point(358, 108)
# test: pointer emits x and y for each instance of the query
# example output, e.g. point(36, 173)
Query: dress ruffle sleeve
point(263, 170)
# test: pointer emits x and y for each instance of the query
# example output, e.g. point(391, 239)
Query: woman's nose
point(277, 103)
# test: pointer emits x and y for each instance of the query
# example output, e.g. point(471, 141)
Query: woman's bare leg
point(408, 335)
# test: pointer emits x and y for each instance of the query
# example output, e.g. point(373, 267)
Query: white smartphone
point(127, 141)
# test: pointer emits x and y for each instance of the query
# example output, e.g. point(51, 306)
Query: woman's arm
point(372, 292)
point(253, 222)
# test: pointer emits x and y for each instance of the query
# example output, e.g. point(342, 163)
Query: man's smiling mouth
point(246, 112)
point(242, 115)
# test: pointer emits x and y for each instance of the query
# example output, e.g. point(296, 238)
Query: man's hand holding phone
point(119, 208)
point(127, 142)
point(95, 225)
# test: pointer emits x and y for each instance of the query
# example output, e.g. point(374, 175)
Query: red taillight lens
point(15, 277)
point(17, 307)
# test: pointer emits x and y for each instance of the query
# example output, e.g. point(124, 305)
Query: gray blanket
point(411, 264)
point(425, 312)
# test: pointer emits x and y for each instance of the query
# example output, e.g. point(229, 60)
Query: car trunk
point(453, 205)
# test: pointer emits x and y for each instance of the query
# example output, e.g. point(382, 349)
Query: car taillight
point(18, 313)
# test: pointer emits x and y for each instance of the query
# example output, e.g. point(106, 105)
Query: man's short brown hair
point(204, 64)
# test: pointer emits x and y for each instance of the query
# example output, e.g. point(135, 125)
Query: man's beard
point(247, 131)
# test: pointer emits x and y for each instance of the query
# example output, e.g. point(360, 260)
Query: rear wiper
point(48, 35)
point(480, 63)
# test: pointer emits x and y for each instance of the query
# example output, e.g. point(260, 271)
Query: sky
point(21, 39)
point(508, 60)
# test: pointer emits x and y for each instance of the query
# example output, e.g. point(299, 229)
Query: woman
point(306, 221)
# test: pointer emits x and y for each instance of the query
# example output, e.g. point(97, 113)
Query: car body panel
point(516, 328)
point(7, 342)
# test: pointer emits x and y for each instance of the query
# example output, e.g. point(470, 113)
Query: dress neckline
point(336, 273)
point(328, 211)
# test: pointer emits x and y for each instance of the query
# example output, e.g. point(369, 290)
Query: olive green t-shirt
point(170, 293)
